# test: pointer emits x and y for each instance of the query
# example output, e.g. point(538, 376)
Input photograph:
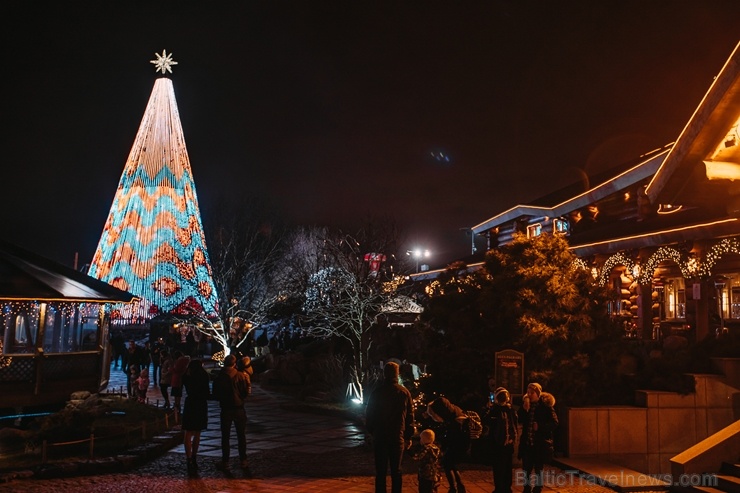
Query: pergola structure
point(54, 331)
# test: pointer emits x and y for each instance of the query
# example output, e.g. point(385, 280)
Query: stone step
point(730, 469)
point(602, 472)
point(727, 483)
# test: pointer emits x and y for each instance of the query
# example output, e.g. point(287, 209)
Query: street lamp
point(418, 254)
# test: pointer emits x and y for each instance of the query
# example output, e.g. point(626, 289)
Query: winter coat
point(501, 422)
point(452, 433)
point(165, 373)
point(142, 384)
point(390, 413)
point(428, 458)
point(178, 370)
point(230, 388)
point(538, 443)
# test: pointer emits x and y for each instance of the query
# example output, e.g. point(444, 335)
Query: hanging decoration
point(579, 263)
point(664, 253)
point(727, 245)
point(374, 261)
point(613, 261)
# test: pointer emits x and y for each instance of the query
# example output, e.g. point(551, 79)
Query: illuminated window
point(560, 226)
point(674, 298)
point(534, 230)
point(49, 333)
point(731, 297)
point(21, 332)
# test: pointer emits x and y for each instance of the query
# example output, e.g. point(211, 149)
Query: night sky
point(436, 115)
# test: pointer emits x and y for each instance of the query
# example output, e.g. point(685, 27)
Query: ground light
point(353, 394)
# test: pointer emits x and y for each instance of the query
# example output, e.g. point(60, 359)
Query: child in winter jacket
point(428, 457)
point(142, 385)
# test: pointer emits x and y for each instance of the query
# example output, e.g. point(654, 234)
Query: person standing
point(502, 434)
point(132, 357)
point(231, 389)
point(428, 458)
point(178, 370)
point(195, 411)
point(155, 352)
point(141, 385)
point(132, 380)
point(191, 344)
point(390, 422)
point(244, 365)
point(146, 355)
point(454, 438)
point(165, 376)
point(538, 420)
point(119, 347)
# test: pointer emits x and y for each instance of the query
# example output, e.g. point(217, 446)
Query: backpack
point(474, 425)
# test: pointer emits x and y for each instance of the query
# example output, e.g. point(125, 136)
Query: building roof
point(572, 197)
point(711, 135)
point(25, 275)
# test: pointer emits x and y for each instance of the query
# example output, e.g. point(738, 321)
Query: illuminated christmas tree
point(153, 244)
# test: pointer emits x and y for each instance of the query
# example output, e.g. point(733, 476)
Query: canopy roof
point(711, 136)
point(27, 276)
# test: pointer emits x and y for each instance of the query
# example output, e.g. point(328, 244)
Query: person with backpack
point(454, 437)
point(501, 422)
point(231, 389)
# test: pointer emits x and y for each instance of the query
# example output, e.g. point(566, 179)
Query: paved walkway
point(269, 426)
point(287, 450)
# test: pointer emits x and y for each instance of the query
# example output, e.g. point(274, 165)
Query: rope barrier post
point(167, 421)
point(92, 446)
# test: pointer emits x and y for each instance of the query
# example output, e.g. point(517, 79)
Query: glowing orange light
point(718, 170)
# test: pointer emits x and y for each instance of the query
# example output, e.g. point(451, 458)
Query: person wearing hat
point(502, 434)
point(539, 420)
point(453, 438)
point(389, 419)
point(231, 389)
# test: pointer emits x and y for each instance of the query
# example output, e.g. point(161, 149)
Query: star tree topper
point(164, 62)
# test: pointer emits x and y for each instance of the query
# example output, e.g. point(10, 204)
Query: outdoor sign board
point(509, 368)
